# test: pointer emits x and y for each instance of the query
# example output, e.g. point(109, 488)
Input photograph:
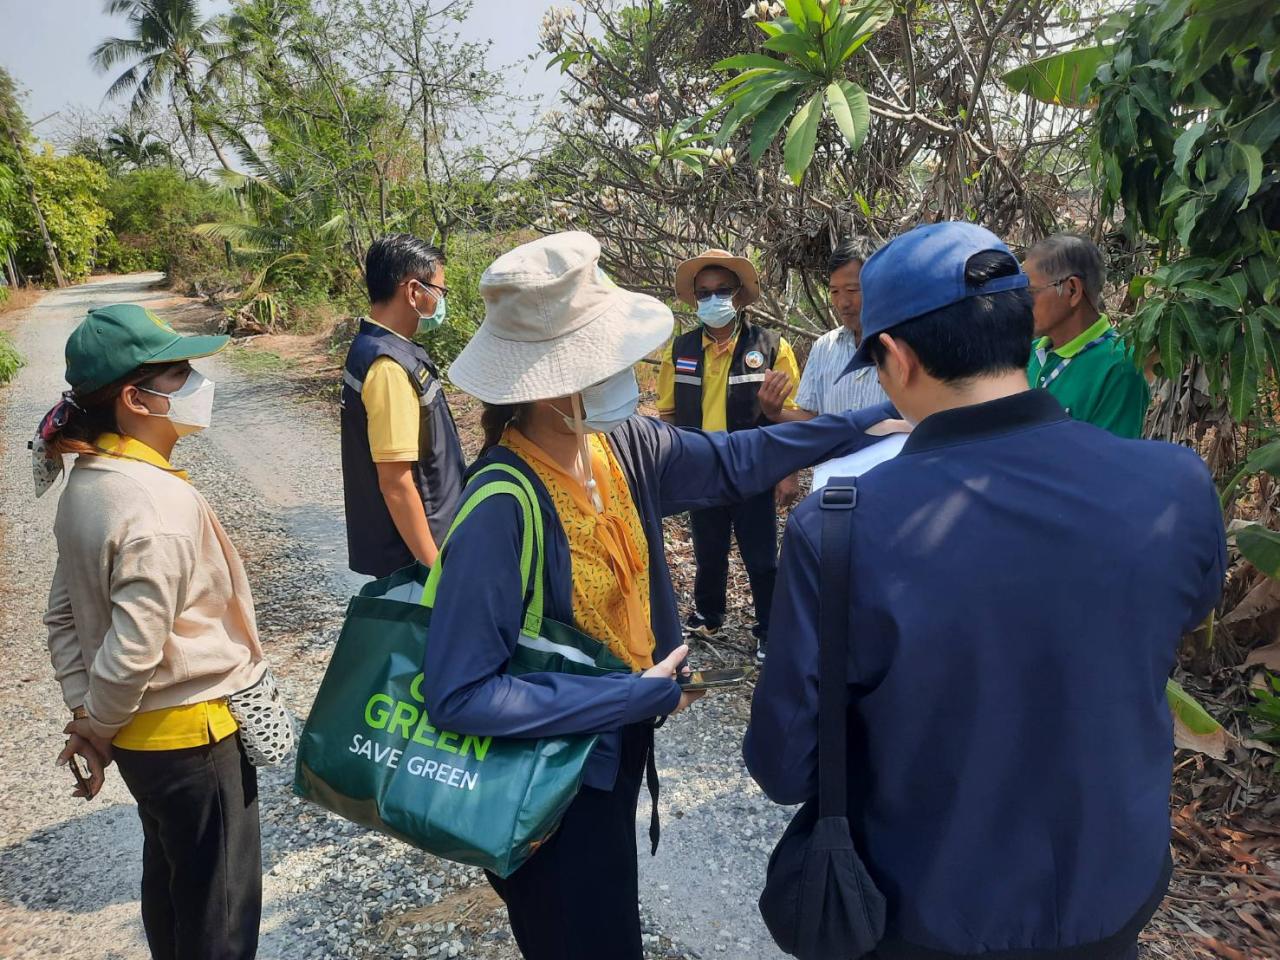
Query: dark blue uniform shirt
point(1020, 585)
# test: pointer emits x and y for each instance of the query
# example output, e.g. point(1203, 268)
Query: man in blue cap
point(1020, 582)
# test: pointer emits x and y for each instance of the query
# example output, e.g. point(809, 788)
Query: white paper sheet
point(856, 464)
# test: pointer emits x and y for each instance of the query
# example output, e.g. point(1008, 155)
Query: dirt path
point(69, 871)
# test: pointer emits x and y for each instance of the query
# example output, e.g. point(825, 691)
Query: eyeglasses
point(443, 292)
point(723, 292)
point(1052, 284)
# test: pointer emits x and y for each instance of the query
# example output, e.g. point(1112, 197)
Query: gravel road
point(69, 871)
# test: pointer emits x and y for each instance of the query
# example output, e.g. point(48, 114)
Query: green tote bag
point(370, 753)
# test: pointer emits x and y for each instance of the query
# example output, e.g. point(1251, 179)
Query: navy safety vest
point(374, 546)
point(754, 354)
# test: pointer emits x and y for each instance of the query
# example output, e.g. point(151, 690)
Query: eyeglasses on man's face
point(722, 292)
point(1052, 285)
point(442, 292)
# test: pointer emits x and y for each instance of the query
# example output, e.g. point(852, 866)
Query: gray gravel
point(69, 871)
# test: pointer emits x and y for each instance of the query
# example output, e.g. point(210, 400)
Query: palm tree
point(138, 148)
point(168, 46)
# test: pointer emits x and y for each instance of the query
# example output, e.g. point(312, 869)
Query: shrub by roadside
point(10, 360)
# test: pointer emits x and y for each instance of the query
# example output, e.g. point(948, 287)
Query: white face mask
point(191, 405)
point(604, 407)
point(717, 312)
point(607, 404)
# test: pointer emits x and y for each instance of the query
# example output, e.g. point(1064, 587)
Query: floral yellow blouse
point(608, 550)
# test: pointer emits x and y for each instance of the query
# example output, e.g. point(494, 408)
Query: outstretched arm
point(698, 469)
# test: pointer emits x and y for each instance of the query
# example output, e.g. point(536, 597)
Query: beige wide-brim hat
point(554, 324)
point(741, 267)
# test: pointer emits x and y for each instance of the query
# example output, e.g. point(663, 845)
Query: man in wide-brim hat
point(710, 379)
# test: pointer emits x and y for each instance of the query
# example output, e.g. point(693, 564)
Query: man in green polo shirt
point(1078, 356)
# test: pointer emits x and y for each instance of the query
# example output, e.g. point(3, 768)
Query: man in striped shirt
point(822, 388)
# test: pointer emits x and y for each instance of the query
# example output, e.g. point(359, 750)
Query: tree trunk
point(191, 102)
point(218, 151)
point(50, 250)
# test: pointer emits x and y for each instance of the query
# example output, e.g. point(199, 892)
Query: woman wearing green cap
point(151, 627)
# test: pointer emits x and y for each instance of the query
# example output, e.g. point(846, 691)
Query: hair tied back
point(53, 421)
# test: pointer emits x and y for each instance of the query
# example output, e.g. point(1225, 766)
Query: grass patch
point(14, 299)
point(248, 360)
point(10, 359)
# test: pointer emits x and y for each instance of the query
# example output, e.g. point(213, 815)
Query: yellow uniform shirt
point(173, 728)
point(393, 410)
point(716, 359)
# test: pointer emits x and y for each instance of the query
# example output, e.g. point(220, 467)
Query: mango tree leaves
point(1252, 159)
point(1185, 143)
point(1062, 79)
point(1219, 294)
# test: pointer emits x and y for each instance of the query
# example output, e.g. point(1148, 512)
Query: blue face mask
point(433, 321)
point(717, 312)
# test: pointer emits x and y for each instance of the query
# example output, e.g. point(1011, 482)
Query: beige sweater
point(150, 606)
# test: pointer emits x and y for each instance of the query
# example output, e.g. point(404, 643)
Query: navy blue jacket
point(479, 604)
point(1020, 585)
point(374, 545)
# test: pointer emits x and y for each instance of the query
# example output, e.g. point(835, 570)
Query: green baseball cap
point(112, 342)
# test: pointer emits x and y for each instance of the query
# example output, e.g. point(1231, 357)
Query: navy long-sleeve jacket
point(1020, 584)
point(479, 603)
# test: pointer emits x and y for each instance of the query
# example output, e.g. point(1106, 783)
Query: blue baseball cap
point(922, 271)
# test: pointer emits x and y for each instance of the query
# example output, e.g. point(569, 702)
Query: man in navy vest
point(710, 380)
point(1020, 584)
point(402, 463)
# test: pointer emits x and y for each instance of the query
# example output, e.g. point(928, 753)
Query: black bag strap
point(838, 499)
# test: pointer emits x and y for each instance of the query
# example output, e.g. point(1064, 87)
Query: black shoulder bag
point(819, 902)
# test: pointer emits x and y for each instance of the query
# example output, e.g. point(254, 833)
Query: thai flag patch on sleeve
point(686, 365)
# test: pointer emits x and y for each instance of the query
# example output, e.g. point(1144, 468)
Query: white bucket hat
point(555, 325)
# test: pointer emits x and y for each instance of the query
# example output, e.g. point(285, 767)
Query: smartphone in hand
point(82, 776)
point(712, 679)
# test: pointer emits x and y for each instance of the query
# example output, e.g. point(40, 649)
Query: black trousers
point(201, 854)
point(578, 897)
point(755, 523)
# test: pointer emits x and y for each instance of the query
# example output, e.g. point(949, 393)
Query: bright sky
point(45, 45)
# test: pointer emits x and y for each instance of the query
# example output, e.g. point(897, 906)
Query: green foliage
point(1188, 150)
point(1061, 79)
point(10, 200)
point(152, 212)
point(70, 190)
point(468, 254)
point(816, 41)
point(677, 145)
point(10, 360)
point(1188, 710)
point(168, 50)
point(131, 146)
point(1267, 710)
point(1261, 547)
point(13, 125)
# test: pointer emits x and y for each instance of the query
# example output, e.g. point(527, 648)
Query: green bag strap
point(532, 554)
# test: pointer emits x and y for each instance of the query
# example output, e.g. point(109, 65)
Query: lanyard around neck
point(1045, 379)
